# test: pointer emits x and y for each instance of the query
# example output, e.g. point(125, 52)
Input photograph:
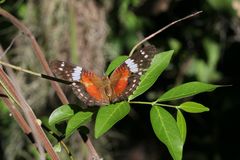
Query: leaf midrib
point(166, 132)
point(111, 115)
point(184, 95)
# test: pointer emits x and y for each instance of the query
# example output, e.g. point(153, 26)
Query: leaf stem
point(140, 102)
point(154, 103)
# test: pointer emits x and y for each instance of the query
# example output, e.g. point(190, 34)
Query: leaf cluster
point(170, 131)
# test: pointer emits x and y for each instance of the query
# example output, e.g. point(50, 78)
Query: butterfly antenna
point(162, 29)
point(44, 76)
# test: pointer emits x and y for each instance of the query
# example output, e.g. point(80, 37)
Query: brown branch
point(38, 134)
point(16, 114)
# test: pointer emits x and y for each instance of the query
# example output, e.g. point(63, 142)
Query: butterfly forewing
point(126, 77)
point(86, 85)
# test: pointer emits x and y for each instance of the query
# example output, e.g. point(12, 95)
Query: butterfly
point(93, 89)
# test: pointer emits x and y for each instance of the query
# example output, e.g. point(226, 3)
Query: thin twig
point(9, 47)
point(162, 29)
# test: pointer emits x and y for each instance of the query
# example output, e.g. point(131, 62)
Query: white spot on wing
point(146, 56)
point(62, 64)
point(76, 73)
point(60, 69)
point(142, 52)
point(131, 65)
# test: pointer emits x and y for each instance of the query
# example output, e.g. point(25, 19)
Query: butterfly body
point(102, 90)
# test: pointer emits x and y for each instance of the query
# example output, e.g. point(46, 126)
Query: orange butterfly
point(102, 90)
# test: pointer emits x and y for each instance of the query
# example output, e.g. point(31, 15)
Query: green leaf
point(109, 115)
point(2, 1)
point(181, 125)
point(186, 90)
point(166, 129)
point(76, 121)
point(115, 63)
point(159, 64)
point(193, 107)
point(60, 114)
point(57, 147)
point(174, 44)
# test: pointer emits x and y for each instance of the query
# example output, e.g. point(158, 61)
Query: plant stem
point(140, 102)
point(153, 103)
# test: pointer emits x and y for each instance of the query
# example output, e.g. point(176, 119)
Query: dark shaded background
point(109, 28)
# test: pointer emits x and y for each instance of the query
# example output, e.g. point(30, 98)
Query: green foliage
point(193, 107)
point(181, 123)
point(22, 11)
point(115, 63)
point(60, 114)
point(159, 64)
point(207, 71)
point(76, 121)
point(186, 90)
point(169, 131)
point(166, 129)
point(127, 17)
point(57, 147)
point(107, 116)
point(2, 1)
point(224, 5)
point(174, 44)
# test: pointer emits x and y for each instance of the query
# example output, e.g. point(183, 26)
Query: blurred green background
point(92, 33)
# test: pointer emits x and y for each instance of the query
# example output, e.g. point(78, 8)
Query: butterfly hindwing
point(86, 85)
point(126, 77)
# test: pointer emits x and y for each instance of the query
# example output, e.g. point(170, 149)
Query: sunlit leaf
point(76, 121)
point(166, 129)
point(57, 148)
point(181, 125)
point(2, 1)
point(60, 114)
point(107, 116)
point(186, 90)
point(115, 63)
point(159, 64)
point(193, 107)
